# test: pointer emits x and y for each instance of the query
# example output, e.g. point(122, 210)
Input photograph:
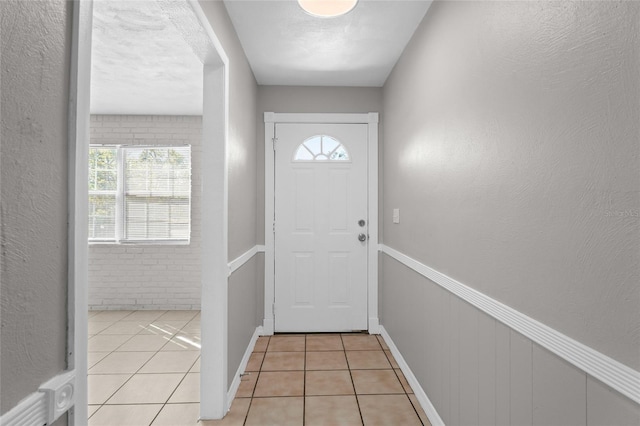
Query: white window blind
point(140, 194)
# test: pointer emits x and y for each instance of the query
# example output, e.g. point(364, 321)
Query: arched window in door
point(321, 148)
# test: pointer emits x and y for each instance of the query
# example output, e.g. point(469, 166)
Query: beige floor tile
point(363, 360)
point(101, 387)
point(328, 383)
point(247, 385)
point(382, 343)
point(255, 361)
point(403, 381)
point(331, 411)
point(376, 382)
point(166, 327)
point(275, 412)
point(178, 315)
point(281, 361)
point(281, 383)
point(143, 343)
point(147, 389)
point(110, 316)
point(182, 342)
point(192, 326)
point(99, 326)
point(170, 362)
point(330, 360)
point(178, 415)
point(93, 313)
point(121, 362)
point(235, 417)
point(95, 357)
point(361, 342)
point(159, 330)
point(92, 409)
point(384, 410)
point(391, 359)
point(107, 343)
point(125, 415)
point(125, 327)
point(286, 344)
point(144, 315)
point(261, 344)
point(418, 408)
point(188, 390)
point(196, 366)
point(324, 342)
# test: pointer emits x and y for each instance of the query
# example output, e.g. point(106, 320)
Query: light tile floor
point(144, 370)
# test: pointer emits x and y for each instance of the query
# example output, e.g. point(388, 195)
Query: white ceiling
point(286, 46)
point(141, 63)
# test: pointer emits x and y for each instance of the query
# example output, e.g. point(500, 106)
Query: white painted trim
point(78, 206)
point(235, 384)
point(609, 371)
point(268, 324)
point(53, 399)
point(270, 120)
point(215, 206)
point(237, 263)
point(421, 395)
point(372, 179)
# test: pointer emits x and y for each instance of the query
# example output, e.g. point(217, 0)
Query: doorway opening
point(127, 223)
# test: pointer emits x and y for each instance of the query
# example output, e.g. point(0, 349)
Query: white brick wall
point(149, 276)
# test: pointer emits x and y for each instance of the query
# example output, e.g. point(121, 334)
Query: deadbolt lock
point(362, 222)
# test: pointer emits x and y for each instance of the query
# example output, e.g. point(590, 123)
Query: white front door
point(321, 227)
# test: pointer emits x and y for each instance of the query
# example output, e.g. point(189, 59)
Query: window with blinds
point(139, 194)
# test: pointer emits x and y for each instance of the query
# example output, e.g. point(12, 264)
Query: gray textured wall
point(242, 183)
point(35, 40)
point(511, 149)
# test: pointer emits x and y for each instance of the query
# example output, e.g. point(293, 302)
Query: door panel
point(320, 265)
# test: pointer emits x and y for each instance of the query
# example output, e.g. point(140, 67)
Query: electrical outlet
point(396, 215)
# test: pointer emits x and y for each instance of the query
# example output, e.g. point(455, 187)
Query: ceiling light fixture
point(327, 8)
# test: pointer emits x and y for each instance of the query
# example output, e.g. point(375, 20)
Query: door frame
point(270, 121)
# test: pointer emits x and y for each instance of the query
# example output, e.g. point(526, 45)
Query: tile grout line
point(355, 392)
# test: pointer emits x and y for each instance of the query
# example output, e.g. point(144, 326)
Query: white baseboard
point(235, 384)
point(54, 398)
point(420, 394)
point(609, 371)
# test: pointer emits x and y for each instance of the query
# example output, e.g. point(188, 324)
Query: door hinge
point(273, 309)
point(274, 226)
point(275, 142)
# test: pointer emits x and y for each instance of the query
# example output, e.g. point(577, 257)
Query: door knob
point(362, 237)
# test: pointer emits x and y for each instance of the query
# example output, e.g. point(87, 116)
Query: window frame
point(120, 203)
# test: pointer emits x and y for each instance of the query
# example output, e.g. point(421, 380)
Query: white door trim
point(215, 269)
point(270, 121)
point(78, 206)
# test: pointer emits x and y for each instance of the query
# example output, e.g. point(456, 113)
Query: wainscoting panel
point(476, 370)
point(559, 388)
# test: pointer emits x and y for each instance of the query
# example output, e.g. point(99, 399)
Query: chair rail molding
point(54, 398)
point(596, 364)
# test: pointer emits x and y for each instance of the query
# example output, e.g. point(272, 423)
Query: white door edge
point(270, 121)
